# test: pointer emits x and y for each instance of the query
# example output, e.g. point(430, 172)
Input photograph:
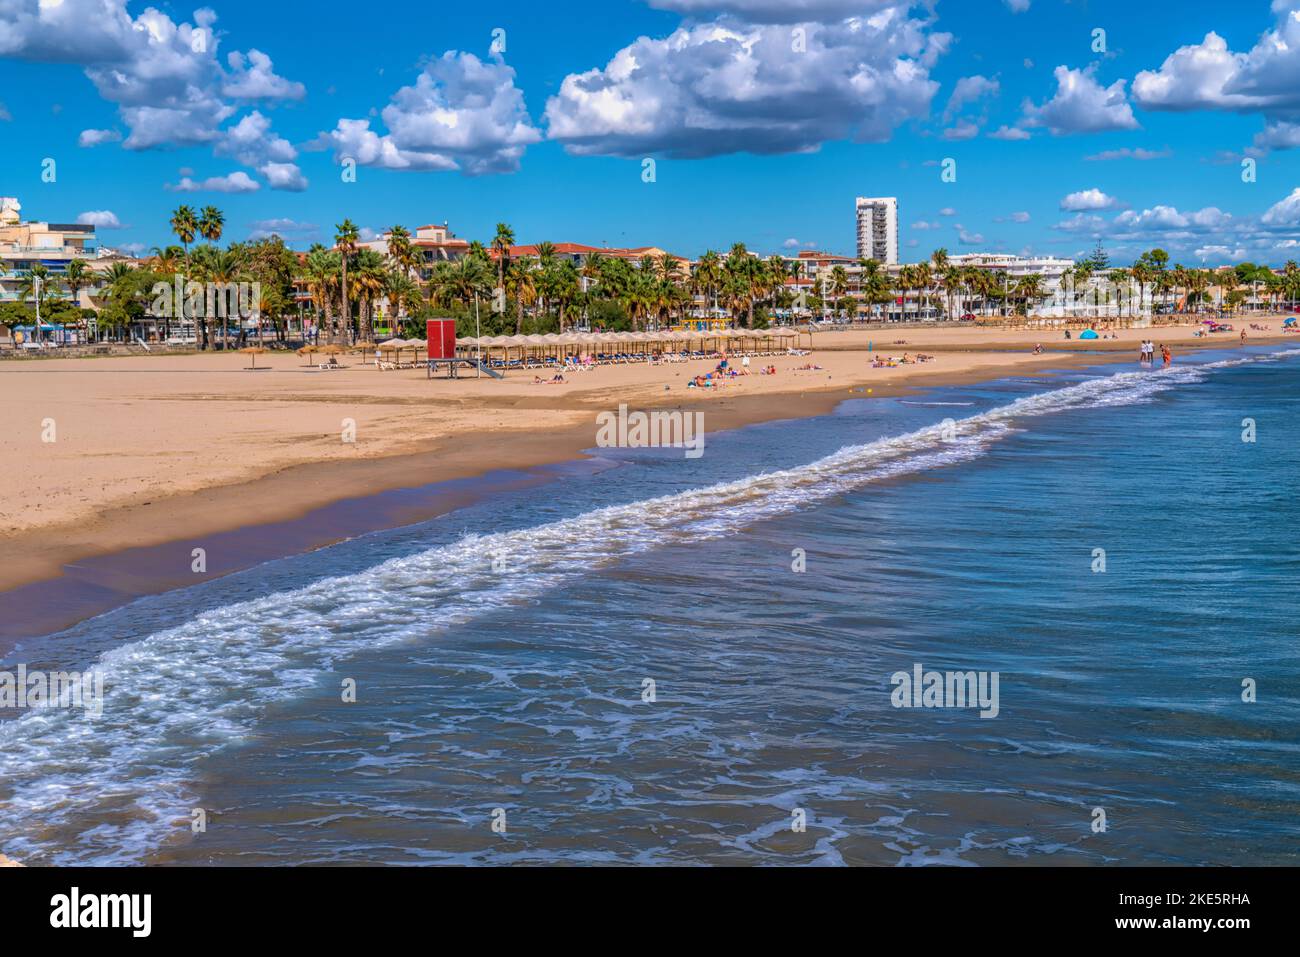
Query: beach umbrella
point(307, 351)
point(366, 347)
point(253, 351)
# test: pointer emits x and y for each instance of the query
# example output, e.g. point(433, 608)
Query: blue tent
point(1291, 321)
point(1088, 334)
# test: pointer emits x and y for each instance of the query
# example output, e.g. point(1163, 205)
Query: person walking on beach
point(1142, 353)
point(1167, 355)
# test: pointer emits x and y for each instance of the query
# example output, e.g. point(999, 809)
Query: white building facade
point(53, 245)
point(877, 222)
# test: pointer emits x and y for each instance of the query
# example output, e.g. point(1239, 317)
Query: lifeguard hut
point(442, 351)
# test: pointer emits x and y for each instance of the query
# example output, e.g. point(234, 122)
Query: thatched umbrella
point(307, 351)
point(254, 351)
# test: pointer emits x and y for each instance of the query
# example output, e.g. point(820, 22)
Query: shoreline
point(46, 557)
point(39, 553)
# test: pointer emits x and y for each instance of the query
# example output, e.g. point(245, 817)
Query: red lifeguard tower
point(441, 335)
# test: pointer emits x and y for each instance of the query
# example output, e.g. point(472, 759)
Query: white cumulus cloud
point(236, 182)
point(728, 86)
point(1088, 199)
point(1285, 212)
point(969, 89)
point(462, 113)
point(100, 219)
point(89, 138)
point(165, 77)
point(1081, 105)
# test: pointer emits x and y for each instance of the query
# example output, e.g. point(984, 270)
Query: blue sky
point(765, 119)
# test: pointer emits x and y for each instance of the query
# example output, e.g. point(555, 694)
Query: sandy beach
point(150, 449)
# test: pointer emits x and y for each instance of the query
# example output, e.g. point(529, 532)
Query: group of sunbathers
point(889, 362)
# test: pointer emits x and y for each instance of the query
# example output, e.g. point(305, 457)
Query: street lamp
point(36, 282)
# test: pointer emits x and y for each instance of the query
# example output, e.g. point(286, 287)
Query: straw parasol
point(307, 351)
point(254, 351)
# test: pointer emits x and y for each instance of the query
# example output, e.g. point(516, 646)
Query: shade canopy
point(551, 340)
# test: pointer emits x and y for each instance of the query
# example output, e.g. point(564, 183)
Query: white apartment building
point(1015, 268)
point(877, 221)
point(53, 245)
point(433, 244)
point(1061, 297)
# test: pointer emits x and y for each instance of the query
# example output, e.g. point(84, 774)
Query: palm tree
point(908, 279)
point(521, 284)
point(400, 249)
point(952, 280)
point(1291, 282)
point(223, 268)
point(212, 222)
point(38, 284)
point(939, 266)
point(708, 274)
point(740, 266)
point(501, 243)
point(1121, 279)
point(76, 275)
point(874, 283)
point(185, 224)
point(321, 270)
point(368, 282)
point(565, 288)
point(924, 280)
point(400, 290)
point(1029, 289)
point(839, 285)
point(1227, 282)
point(459, 281)
point(346, 239)
point(1142, 274)
point(1082, 275)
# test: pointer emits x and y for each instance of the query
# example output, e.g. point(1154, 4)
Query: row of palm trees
point(348, 281)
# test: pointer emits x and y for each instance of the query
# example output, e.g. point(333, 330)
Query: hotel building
point(53, 245)
point(878, 229)
point(434, 243)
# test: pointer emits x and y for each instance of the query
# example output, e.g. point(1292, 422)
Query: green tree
point(346, 238)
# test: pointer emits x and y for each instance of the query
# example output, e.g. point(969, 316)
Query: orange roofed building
point(435, 244)
point(579, 253)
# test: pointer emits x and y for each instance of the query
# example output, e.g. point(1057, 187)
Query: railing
point(69, 251)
